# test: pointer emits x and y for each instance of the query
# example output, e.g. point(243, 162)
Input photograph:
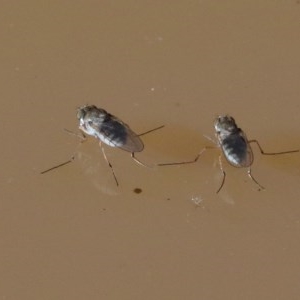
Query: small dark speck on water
point(137, 190)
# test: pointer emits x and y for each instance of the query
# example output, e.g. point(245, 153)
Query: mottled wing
point(115, 133)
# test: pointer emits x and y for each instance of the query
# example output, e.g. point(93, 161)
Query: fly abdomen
point(113, 133)
point(237, 150)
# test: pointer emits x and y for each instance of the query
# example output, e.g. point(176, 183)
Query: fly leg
point(138, 161)
point(146, 132)
point(109, 164)
point(223, 172)
point(187, 162)
point(143, 133)
point(60, 165)
point(272, 153)
point(82, 137)
point(251, 176)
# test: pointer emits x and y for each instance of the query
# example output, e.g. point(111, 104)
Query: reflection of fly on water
point(235, 147)
point(109, 130)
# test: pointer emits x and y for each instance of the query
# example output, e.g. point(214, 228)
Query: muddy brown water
point(163, 233)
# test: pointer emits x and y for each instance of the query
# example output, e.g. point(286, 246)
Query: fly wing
point(133, 141)
point(237, 150)
point(115, 133)
point(249, 157)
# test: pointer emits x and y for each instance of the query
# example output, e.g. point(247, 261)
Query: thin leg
point(60, 165)
point(109, 164)
point(210, 139)
point(187, 162)
point(81, 136)
point(224, 174)
point(138, 161)
point(151, 130)
point(272, 153)
point(250, 175)
point(132, 153)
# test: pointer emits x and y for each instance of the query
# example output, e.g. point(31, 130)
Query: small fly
point(109, 130)
point(235, 147)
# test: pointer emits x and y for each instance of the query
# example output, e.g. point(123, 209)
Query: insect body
point(235, 147)
point(233, 142)
point(109, 130)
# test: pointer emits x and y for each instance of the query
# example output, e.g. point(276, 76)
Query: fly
point(109, 130)
point(235, 146)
